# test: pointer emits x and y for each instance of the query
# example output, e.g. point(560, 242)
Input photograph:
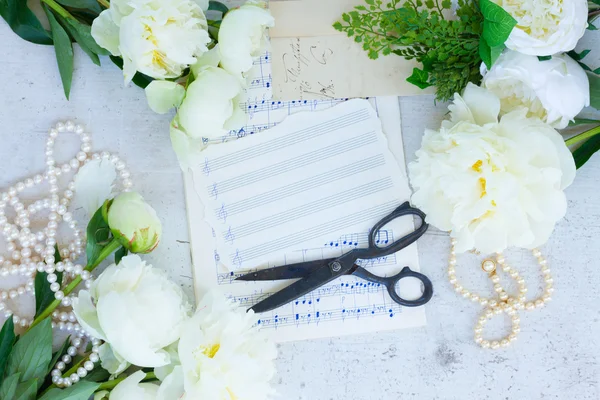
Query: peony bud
point(134, 223)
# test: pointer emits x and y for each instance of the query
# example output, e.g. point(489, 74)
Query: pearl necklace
point(505, 303)
point(31, 252)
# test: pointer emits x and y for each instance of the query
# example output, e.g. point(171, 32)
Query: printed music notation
point(348, 299)
point(346, 305)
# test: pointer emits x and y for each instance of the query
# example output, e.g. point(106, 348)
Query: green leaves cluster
point(70, 21)
point(450, 51)
point(25, 362)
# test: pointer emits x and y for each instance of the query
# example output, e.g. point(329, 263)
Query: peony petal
point(483, 104)
point(112, 361)
point(94, 184)
point(120, 329)
point(211, 58)
point(242, 36)
point(162, 372)
point(162, 96)
point(106, 33)
point(172, 386)
point(87, 315)
point(132, 389)
point(187, 149)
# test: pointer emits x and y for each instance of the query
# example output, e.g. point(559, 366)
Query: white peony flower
point(134, 223)
point(242, 36)
point(94, 184)
point(493, 183)
point(546, 27)
point(136, 309)
point(159, 38)
point(223, 356)
point(554, 90)
point(132, 388)
point(210, 109)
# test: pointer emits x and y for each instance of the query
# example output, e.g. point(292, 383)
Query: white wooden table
point(556, 357)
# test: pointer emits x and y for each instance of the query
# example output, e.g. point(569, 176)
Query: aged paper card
point(311, 60)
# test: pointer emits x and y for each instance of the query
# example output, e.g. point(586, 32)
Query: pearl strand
point(76, 343)
point(504, 303)
point(31, 252)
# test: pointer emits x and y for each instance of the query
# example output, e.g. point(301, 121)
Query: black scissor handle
point(404, 209)
point(391, 284)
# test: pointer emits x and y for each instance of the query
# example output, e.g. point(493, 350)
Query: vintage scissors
point(314, 274)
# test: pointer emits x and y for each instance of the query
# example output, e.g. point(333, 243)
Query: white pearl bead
point(59, 295)
point(82, 372)
point(94, 357)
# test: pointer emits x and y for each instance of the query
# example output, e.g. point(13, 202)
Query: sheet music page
point(344, 306)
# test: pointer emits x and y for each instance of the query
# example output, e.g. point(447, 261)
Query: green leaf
point(419, 78)
point(61, 352)
point(98, 236)
point(91, 5)
point(7, 340)
point(139, 79)
point(586, 151)
point(337, 26)
point(9, 386)
point(217, 6)
point(27, 390)
point(23, 22)
point(98, 374)
point(63, 49)
point(578, 56)
point(43, 295)
point(497, 23)
point(80, 391)
point(119, 254)
point(32, 353)
point(594, 91)
point(488, 54)
point(544, 58)
point(82, 35)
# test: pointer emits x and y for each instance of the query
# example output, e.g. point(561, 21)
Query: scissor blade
point(290, 271)
point(297, 289)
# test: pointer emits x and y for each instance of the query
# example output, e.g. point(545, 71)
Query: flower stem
point(58, 8)
point(583, 136)
point(150, 376)
point(105, 252)
point(104, 3)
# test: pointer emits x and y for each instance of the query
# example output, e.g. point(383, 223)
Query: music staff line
point(301, 161)
point(292, 214)
point(295, 188)
point(289, 139)
point(312, 232)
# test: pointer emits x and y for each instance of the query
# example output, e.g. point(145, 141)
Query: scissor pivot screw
point(336, 266)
